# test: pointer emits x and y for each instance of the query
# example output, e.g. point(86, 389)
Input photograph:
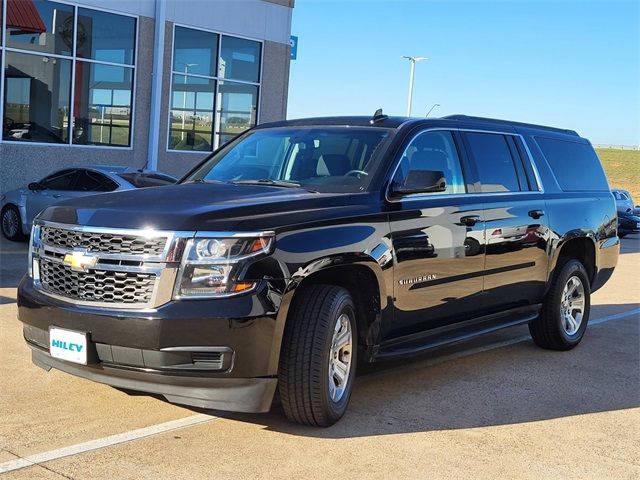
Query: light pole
point(187, 66)
point(413, 61)
point(432, 107)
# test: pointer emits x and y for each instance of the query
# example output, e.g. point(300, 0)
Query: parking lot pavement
point(494, 407)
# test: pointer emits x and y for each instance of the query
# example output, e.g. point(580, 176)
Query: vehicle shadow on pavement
point(630, 244)
point(6, 300)
point(13, 262)
point(515, 384)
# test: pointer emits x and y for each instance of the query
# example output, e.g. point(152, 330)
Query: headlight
point(211, 266)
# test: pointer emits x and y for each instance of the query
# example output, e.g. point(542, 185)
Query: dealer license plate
point(68, 345)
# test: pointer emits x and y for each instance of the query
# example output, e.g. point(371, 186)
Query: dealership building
point(142, 83)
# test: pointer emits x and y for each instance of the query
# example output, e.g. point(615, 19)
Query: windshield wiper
point(202, 180)
point(273, 183)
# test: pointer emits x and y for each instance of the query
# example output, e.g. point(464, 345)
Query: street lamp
point(187, 66)
point(432, 107)
point(413, 61)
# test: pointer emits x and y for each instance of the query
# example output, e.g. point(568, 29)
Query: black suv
point(303, 247)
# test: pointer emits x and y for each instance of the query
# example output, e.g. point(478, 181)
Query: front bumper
point(203, 353)
point(252, 395)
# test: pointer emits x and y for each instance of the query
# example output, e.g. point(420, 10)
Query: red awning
point(23, 15)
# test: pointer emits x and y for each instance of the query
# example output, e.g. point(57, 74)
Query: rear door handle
point(56, 195)
point(536, 214)
point(470, 220)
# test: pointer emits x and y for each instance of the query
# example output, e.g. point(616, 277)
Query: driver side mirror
point(421, 181)
point(35, 186)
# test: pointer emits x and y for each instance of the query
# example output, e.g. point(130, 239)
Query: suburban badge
point(422, 278)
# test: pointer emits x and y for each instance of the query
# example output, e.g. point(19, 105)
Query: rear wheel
point(565, 311)
point(11, 223)
point(318, 360)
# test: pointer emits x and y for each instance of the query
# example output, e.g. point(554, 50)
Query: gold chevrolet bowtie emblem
point(80, 261)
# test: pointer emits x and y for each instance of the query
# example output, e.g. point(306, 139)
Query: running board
point(455, 333)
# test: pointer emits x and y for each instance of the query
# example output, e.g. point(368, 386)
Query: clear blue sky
point(572, 64)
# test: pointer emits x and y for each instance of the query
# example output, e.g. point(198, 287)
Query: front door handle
point(470, 220)
point(536, 214)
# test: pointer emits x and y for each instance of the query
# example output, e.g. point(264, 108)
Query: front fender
point(322, 265)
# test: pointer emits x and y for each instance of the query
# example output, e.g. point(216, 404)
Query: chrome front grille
point(104, 267)
point(96, 285)
point(103, 242)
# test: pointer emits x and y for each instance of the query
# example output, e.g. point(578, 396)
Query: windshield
point(330, 159)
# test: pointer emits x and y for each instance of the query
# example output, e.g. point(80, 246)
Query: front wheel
point(565, 311)
point(11, 223)
point(318, 360)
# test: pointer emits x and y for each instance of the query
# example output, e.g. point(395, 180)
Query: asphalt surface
point(497, 407)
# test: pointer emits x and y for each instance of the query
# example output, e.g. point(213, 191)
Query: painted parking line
point(104, 442)
point(203, 418)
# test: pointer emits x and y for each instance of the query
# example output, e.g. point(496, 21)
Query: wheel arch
point(576, 246)
point(360, 274)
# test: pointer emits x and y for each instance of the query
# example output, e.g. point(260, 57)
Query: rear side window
point(89, 181)
point(494, 157)
point(575, 165)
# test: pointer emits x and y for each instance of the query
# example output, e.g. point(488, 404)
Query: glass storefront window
point(195, 52)
point(36, 98)
point(40, 25)
point(240, 59)
point(192, 114)
point(58, 91)
point(105, 36)
point(237, 108)
point(102, 109)
point(207, 109)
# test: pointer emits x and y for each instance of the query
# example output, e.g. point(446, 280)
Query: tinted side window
point(62, 180)
point(495, 162)
point(575, 165)
point(89, 181)
point(434, 150)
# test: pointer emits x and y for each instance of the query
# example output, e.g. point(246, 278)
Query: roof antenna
point(378, 117)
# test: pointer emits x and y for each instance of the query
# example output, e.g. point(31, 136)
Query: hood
point(197, 206)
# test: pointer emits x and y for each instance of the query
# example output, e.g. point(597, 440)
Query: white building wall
point(245, 18)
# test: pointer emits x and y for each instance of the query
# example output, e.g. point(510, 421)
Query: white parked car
point(19, 207)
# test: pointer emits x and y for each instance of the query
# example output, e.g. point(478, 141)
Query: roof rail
point(509, 122)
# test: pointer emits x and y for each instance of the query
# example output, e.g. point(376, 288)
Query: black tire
point(472, 247)
point(306, 351)
point(8, 218)
point(549, 329)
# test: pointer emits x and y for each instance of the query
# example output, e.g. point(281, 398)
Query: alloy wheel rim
point(10, 223)
point(340, 356)
point(572, 305)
